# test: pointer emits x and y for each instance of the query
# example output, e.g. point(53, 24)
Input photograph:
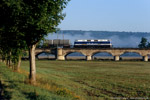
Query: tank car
point(65, 43)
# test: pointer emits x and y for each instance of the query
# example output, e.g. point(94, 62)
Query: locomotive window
point(95, 40)
point(89, 40)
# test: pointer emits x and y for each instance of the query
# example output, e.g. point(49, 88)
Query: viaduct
point(61, 53)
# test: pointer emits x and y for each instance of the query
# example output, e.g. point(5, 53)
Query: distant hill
point(105, 34)
point(119, 39)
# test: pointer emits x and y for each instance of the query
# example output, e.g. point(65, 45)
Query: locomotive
point(100, 43)
point(65, 43)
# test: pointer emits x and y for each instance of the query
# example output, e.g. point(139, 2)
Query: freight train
point(99, 43)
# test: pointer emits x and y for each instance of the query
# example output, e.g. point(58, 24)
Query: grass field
point(83, 80)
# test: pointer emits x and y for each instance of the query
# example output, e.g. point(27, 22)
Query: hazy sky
point(107, 15)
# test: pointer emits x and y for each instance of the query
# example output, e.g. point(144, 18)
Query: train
point(80, 43)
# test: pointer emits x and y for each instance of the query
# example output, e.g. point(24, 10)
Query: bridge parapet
point(116, 52)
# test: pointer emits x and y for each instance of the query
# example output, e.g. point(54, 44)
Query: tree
point(40, 17)
point(143, 43)
point(31, 20)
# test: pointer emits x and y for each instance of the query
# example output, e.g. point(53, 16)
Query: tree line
point(24, 23)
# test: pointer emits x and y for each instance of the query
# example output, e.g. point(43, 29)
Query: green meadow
point(77, 80)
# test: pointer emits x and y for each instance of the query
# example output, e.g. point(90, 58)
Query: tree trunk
point(32, 75)
point(3, 59)
point(19, 63)
point(8, 62)
point(17, 66)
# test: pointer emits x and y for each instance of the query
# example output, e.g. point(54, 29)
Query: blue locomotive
point(100, 43)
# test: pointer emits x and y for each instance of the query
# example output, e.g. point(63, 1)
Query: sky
point(107, 15)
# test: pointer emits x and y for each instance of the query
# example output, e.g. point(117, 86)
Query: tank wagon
point(100, 43)
point(60, 43)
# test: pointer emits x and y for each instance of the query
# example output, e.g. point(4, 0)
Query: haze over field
point(119, 39)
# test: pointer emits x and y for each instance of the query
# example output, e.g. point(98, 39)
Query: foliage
point(11, 40)
point(143, 43)
point(40, 18)
point(25, 23)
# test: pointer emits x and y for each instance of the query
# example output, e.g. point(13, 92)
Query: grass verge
point(13, 86)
